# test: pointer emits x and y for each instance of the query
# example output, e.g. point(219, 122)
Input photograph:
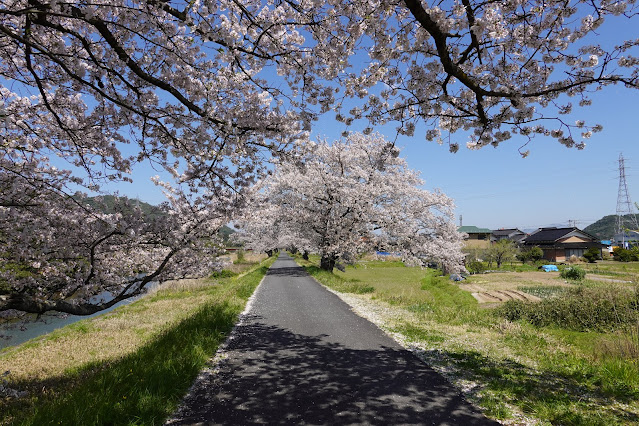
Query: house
point(477, 237)
point(513, 234)
point(559, 244)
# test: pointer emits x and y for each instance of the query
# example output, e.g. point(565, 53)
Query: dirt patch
point(606, 279)
point(503, 296)
point(500, 287)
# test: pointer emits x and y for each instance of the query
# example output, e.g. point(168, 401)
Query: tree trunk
point(269, 253)
point(305, 255)
point(327, 262)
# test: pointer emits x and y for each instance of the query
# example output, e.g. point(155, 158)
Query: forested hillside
point(107, 206)
point(604, 228)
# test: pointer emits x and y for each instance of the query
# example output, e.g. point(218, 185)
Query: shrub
point(623, 255)
point(574, 273)
point(476, 267)
point(580, 309)
point(532, 254)
point(240, 256)
point(592, 255)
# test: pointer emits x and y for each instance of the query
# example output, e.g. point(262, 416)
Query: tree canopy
point(351, 197)
point(205, 91)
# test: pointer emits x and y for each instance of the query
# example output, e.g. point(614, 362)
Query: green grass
point(620, 270)
point(143, 386)
point(543, 291)
point(517, 267)
point(549, 373)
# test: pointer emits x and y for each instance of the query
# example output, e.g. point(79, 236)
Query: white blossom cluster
point(206, 90)
point(494, 69)
point(351, 197)
point(61, 253)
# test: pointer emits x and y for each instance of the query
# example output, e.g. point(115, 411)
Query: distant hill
point(604, 228)
point(226, 232)
point(108, 202)
point(149, 210)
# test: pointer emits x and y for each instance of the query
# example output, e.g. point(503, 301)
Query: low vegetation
point(130, 366)
point(562, 369)
point(581, 308)
point(574, 273)
point(626, 255)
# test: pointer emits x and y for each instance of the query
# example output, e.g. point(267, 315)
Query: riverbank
point(132, 365)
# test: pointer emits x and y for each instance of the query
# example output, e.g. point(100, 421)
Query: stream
point(17, 333)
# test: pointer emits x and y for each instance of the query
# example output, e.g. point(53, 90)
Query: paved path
point(303, 357)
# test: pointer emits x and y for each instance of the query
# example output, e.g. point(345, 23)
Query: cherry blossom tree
point(494, 69)
point(206, 90)
point(351, 197)
point(63, 255)
point(88, 91)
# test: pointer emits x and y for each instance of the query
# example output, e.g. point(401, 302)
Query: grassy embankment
point(129, 366)
point(563, 371)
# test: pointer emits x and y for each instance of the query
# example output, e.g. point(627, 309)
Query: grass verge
point(514, 371)
point(131, 366)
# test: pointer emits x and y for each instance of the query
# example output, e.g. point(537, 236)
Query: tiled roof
point(474, 230)
point(552, 234)
point(506, 232)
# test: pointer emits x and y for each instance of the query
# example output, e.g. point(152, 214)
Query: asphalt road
point(301, 356)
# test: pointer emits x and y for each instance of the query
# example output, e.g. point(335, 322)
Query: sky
point(497, 188)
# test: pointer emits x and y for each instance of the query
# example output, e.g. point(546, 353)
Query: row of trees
point(350, 197)
point(504, 251)
point(206, 91)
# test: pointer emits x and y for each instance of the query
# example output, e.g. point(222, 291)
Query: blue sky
point(496, 187)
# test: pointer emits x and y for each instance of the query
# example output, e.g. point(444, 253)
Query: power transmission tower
point(624, 205)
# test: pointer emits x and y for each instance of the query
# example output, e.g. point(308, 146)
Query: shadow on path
point(274, 376)
point(285, 271)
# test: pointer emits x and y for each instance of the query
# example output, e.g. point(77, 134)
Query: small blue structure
point(549, 268)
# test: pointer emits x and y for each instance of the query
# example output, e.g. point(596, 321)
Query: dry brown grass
point(249, 257)
point(184, 284)
point(512, 280)
point(495, 288)
point(104, 338)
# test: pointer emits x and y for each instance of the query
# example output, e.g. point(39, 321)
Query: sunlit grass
point(131, 366)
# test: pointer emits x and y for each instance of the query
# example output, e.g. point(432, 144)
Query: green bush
point(621, 254)
point(240, 257)
point(574, 273)
point(592, 255)
point(532, 254)
point(580, 309)
point(476, 267)
point(224, 273)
